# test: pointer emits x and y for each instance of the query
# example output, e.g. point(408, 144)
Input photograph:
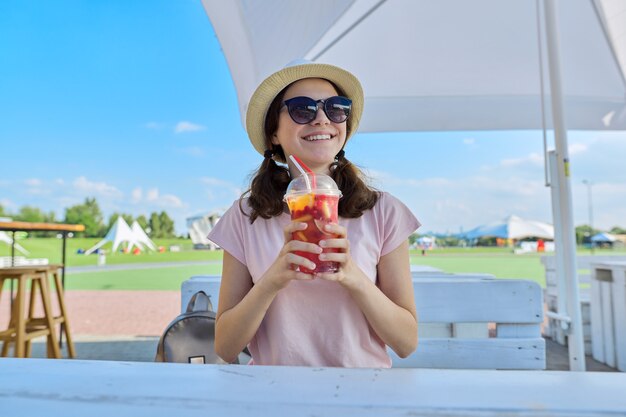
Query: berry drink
point(316, 207)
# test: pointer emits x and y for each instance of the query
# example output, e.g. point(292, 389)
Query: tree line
point(157, 225)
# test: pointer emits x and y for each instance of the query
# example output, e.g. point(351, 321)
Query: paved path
point(125, 267)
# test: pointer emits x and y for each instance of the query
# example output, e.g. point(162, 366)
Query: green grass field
point(500, 262)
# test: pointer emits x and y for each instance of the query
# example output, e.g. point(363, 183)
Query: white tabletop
point(31, 387)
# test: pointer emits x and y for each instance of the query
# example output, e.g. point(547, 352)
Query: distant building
point(199, 227)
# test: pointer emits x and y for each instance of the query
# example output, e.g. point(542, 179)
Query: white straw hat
point(267, 91)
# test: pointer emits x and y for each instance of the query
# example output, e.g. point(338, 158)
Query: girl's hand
point(284, 267)
point(349, 275)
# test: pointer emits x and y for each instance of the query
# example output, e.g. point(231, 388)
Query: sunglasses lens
point(338, 109)
point(302, 109)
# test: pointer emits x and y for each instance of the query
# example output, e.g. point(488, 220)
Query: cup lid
point(320, 184)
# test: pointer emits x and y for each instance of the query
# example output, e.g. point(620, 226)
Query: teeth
point(317, 137)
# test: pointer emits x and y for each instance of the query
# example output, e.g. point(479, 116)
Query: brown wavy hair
point(270, 181)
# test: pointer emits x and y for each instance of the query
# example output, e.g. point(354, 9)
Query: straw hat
point(298, 70)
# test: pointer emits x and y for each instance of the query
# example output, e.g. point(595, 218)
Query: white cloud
point(194, 151)
point(153, 125)
point(185, 126)
point(215, 182)
point(450, 204)
point(135, 195)
point(469, 141)
point(83, 185)
point(220, 190)
point(533, 159)
point(152, 198)
point(6, 203)
point(577, 148)
point(33, 182)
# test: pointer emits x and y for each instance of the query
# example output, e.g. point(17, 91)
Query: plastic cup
point(316, 206)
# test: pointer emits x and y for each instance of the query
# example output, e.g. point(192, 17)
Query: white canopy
point(438, 65)
point(120, 233)
point(454, 65)
point(141, 238)
point(513, 227)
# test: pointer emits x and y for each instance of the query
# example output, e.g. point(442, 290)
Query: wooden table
point(101, 388)
point(64, 229)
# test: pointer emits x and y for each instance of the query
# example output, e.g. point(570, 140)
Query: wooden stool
point(22, 329)
point(62, 318)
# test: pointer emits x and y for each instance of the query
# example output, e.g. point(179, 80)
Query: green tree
point(35, 215)
point(144, 223)
point(3, 213)
point(167, 225)
point(87, 214)
point(30, 214)
point(155, 225)
point(584, 233)
point(616, 230)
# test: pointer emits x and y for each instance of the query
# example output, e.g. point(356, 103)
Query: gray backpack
point(190, 337)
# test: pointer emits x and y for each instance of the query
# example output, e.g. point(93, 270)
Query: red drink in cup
point(315, 203)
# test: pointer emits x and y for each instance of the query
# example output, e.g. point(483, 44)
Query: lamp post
point(589, 184)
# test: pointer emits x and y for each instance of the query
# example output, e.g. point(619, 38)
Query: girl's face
point(317, 142)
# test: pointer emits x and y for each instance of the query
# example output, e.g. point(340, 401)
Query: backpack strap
point(200, 301)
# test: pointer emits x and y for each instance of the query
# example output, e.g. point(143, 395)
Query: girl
point(288, 317)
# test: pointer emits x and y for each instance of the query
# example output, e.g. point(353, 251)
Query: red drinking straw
point(306, 168)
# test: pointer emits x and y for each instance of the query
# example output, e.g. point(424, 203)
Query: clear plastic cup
point(315, 203)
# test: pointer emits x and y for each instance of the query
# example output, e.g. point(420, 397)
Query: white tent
point(120, 233)
point(141, 238)
point(4, 237)
point(453, 65)
point(513, 227)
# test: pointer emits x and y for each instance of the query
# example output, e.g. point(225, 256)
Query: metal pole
point(559, 256)
point(588, 184)
point(12, 263)
point(565, 221)
point(62, 325)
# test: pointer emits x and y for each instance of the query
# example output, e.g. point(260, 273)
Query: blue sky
point(132, 102)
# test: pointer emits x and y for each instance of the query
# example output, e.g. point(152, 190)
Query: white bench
point(554, 330)
point(608, 313)
point(454, 317)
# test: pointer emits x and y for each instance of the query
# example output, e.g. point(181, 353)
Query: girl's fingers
point(334, 257)
point(297, 245)
point(335, 229)
point(291, 228)
point(297, 260)
point(335, 243)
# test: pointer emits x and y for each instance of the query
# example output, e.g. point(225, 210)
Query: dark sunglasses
point(303, 110)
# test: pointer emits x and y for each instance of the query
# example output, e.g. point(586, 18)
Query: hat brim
point(267, 91)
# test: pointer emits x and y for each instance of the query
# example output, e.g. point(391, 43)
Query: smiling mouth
point(315, 138)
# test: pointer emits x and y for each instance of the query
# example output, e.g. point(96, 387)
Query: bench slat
point(476, 354)
point(498, 301)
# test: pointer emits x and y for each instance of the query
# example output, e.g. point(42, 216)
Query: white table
point(30, 387)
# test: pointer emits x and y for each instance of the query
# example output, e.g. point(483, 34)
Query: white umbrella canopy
point(438, 65)
point(453, 65)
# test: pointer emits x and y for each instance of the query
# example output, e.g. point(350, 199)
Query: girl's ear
point(275, 139)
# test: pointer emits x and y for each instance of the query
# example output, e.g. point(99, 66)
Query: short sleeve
point(228, 232)
point(397, 222)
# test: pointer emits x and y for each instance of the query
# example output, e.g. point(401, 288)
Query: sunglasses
point(303, 110)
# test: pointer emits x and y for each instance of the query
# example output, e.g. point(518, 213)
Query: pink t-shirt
point(316, 323)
